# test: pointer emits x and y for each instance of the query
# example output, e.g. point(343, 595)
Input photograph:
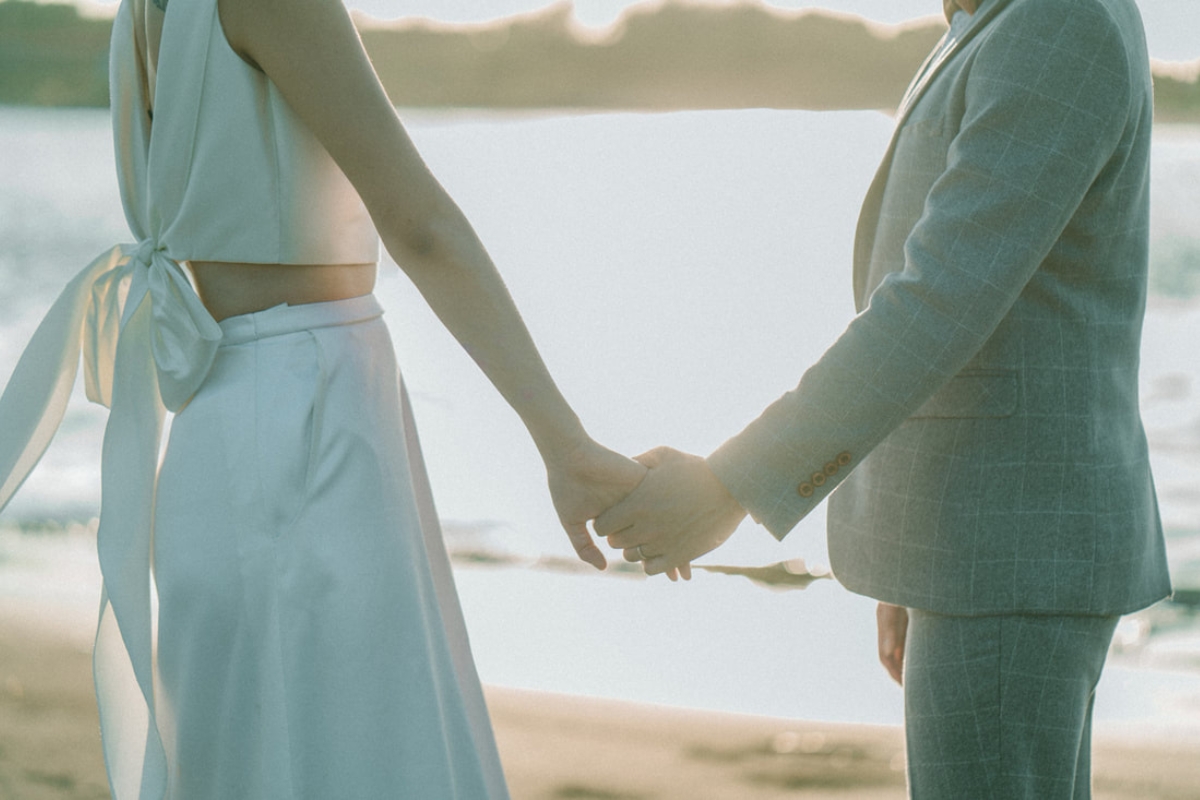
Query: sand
point(554, 747)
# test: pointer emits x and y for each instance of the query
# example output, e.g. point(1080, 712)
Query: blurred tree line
point(668, 56)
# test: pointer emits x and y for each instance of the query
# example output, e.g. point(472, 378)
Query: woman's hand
point(585, 479)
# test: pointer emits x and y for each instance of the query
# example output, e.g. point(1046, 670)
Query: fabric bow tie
point(183, 336)
point(951, 7)
point(133, 293)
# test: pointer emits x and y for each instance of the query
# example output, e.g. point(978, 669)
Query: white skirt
point(310, 641)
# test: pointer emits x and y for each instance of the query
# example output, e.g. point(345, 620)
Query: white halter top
point(213, 165)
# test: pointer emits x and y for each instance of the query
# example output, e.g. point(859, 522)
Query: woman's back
point(214, 165)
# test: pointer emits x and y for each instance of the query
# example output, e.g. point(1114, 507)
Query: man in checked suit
point(979, 417)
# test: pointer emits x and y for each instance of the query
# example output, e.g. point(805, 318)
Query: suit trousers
point(1000, 707)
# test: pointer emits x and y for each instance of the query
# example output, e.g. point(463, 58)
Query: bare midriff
point(228, 289)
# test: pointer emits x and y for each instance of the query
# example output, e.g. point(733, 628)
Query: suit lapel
point(940, 55)
point(864, 239)
point(919, 80)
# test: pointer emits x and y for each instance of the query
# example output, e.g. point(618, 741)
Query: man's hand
point(892, 622)
point(679, 512)
point(585, 481)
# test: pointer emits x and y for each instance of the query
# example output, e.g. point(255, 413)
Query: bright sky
point(1172, 26)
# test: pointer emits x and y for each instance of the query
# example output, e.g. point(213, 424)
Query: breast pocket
point(922, 146)
point(918, 160)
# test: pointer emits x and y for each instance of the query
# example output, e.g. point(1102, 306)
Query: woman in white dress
point(308, 643)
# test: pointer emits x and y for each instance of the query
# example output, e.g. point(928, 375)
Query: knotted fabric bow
point(133, 298)
point(147, 344)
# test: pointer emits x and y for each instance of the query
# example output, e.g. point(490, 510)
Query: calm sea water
point(680, 271)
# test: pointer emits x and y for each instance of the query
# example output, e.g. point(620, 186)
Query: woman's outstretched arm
point(312, 52)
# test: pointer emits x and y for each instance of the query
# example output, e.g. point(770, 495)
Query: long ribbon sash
point(147, 344)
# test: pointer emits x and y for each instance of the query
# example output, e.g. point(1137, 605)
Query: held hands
point(586, 479)
point(678, 512)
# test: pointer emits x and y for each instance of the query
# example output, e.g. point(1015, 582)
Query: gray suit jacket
point(979, 416)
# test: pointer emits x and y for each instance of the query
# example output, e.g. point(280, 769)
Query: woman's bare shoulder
point(312, 52)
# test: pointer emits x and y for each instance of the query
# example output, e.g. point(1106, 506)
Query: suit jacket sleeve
point(1047, 98)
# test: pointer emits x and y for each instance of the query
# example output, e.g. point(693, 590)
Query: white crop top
point(213, 165)
point(213, 162)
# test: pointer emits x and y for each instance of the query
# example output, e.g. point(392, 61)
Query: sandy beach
point(554, 747)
